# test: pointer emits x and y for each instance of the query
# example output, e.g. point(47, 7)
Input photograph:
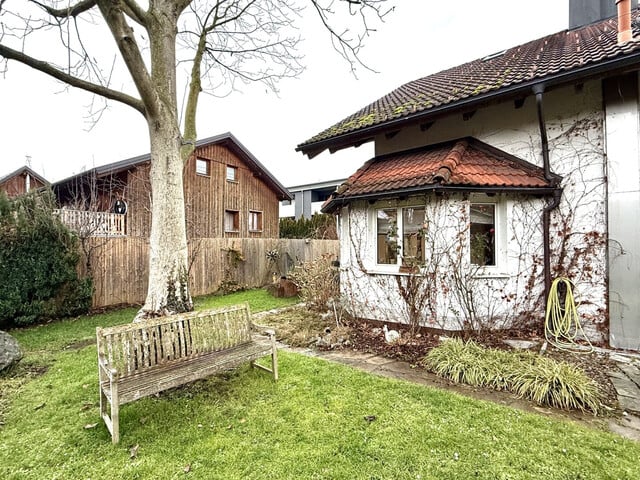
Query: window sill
point(491, 274)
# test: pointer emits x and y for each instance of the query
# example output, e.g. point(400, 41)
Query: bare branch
point(349, 47)
point(135, 12)
point(70, 11)
point(52, 71)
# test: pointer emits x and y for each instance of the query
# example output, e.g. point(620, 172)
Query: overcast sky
point(42, 119)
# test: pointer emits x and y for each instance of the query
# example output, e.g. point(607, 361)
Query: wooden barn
point(21, 181)
point(228, 194)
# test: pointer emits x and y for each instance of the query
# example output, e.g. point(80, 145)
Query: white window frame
point(205, 162)
point(390, 267)
point(500, 237)
point(232, 173)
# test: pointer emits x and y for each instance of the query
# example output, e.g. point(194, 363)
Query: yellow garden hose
point(562, 325)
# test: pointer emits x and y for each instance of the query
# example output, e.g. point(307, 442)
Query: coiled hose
point(562, 325)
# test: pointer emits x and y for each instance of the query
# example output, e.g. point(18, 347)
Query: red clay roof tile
point(462, 163)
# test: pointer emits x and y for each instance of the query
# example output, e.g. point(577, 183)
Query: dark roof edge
point(334, 203)
point(366, 134)
point(29, 170)
point(248, 156)
point(224, 138)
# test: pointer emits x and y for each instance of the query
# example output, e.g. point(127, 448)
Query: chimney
point(624, 21)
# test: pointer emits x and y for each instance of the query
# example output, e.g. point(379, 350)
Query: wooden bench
point(140, 359)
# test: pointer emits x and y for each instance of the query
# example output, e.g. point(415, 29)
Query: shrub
point(38, 261)
point(541, 379)
point(320, 226)
point(556, 384)
point(318, 282)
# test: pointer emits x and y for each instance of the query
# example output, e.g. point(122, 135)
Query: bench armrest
point(110, 372)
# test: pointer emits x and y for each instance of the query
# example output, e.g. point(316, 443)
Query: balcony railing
point(93, 224)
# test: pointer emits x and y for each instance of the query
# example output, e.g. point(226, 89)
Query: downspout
point(557, 192)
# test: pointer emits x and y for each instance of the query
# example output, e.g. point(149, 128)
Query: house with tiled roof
point(21, 181)
point(497, 181)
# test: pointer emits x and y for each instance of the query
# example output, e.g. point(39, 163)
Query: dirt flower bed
point(300, 327)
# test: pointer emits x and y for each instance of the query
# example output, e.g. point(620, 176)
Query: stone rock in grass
point(10, 353)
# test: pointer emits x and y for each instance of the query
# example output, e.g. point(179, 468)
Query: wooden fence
point(120, 265)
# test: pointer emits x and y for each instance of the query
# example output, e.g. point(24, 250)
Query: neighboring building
point(21, 181)
point(308, 199)
point(494, 178)
point(228, 193)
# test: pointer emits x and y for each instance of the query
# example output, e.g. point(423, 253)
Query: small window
point(400, 233)
point(232, 174)
point(231, 221)
point(255, 221)
point(202, 166)
point(413, 235)
point(482, 234)
point(387, 235)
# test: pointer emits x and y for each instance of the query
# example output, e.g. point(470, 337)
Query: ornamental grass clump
point(557, 384)
point(541, 379)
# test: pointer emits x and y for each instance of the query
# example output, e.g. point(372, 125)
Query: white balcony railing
point(93, 224)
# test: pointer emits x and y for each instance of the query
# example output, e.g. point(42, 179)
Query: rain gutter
point(538, 90)
point(348, 139)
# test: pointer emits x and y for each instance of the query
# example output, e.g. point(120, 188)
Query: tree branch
point(135, 12)
point(70, 11)
point(52, 71)
point(128, 47)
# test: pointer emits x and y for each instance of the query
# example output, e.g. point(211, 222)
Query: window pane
point(482, 234)
point(231, 173)
point(202, 166)
point(387, 236)
point(412, 237)
point(231, 221)
point(255, 221)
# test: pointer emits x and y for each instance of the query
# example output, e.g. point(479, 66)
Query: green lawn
point(310, 424)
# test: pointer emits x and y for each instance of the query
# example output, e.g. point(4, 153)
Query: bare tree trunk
point(168, 263)
point(168, 290)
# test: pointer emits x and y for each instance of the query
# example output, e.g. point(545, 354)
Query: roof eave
point(366, 134)
point(333, 204)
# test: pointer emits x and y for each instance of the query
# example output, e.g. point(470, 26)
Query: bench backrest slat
point(138, 346)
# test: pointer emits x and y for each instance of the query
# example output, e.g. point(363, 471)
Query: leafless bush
point(318, 281)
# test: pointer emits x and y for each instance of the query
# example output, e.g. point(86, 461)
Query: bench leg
point(115, 414)
point(274, 363)
point(110, 412)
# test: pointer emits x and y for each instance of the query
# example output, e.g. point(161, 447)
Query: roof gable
point(556, 59)
point(20, 171)
point(227, 140)
point(466, 164)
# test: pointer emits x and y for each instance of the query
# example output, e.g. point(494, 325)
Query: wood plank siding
point(207, 197)
point(17, 184)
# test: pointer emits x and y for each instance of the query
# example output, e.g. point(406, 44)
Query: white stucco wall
point(574, 121)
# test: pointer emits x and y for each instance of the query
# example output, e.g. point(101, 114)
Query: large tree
point(213, 42)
